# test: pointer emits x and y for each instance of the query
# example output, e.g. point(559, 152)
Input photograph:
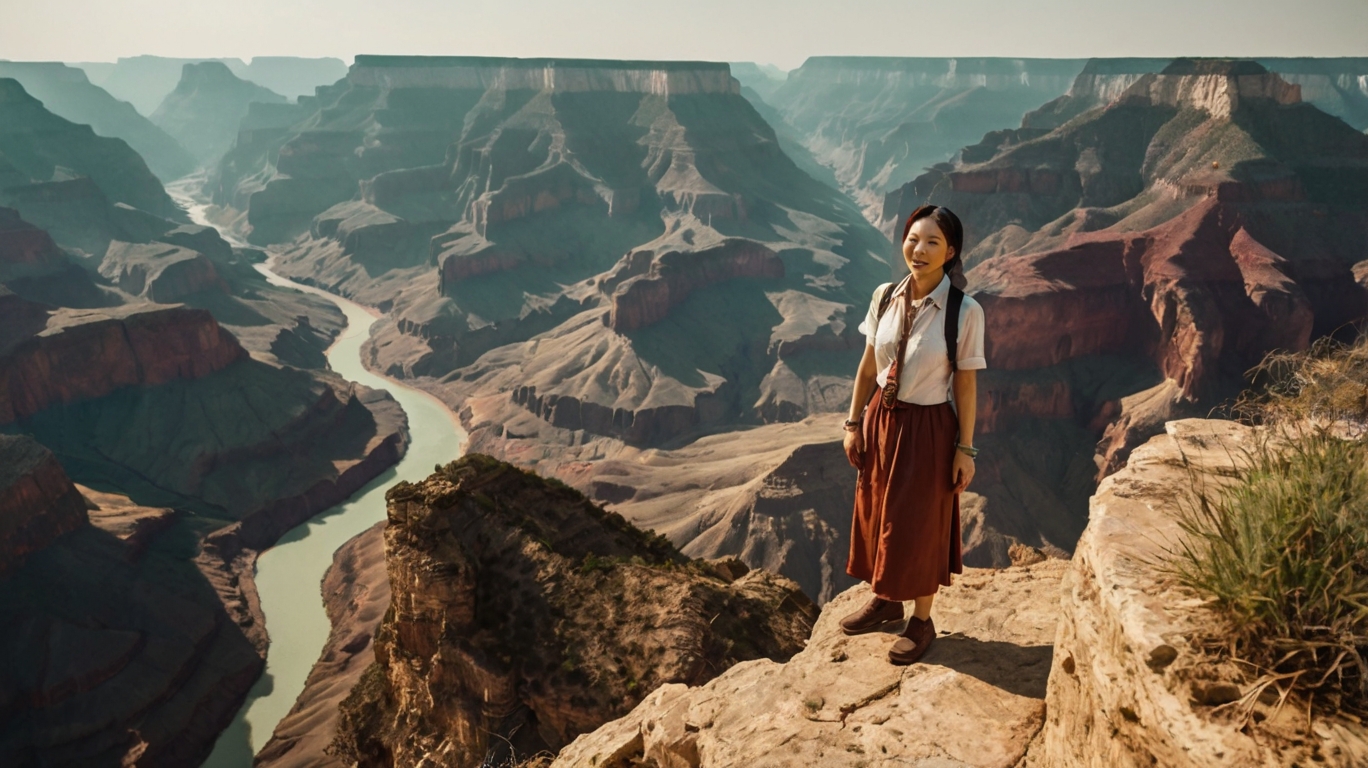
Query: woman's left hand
point(963, 470)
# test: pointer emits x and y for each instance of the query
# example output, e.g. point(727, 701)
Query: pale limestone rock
point(975, 700)
point(1117, 696)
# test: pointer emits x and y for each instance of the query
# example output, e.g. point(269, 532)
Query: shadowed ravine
point(288, 575)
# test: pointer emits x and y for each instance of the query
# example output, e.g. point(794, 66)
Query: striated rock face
point(1216, 86)
point(203, 111)
point(123, 664)
point(82, 355)
point(1123, 688)
point(39, 144)
point(1100, 83)
point(975, 699)
point(38, 503)
point(648, 286)
point(67, 91)
point(160, 273)
point(1198, 290)
point(569, 75)
point(511, 602)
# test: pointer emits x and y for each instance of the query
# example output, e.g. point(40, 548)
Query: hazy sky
point(781, 33)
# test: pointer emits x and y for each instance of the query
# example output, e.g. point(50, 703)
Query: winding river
point(288, 575)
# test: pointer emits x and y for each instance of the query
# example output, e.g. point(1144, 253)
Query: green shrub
point(1282, 546)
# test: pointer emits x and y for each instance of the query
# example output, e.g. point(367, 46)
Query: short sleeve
point(870, 326)
point(969, 356)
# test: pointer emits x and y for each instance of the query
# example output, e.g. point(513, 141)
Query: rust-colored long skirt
point(905, 533)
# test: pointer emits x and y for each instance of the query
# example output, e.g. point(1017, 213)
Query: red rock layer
point(643, 299)
point(38, 502)
point(86, 355)
point(1192, 291)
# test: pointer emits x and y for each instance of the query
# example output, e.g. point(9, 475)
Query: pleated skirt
point(905, 530)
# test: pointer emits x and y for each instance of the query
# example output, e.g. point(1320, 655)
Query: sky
point(779, 33)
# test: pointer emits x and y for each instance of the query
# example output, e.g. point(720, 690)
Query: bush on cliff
point(1282, 545)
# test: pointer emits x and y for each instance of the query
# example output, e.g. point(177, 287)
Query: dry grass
point(1282, 547)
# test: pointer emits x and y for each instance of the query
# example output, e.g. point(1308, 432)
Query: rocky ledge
point(976, 699)
point(84, 354)
point(649, 285)
point(1126, 689)
point(523, 615)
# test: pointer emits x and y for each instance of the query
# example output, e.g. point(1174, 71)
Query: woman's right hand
point(854, 447)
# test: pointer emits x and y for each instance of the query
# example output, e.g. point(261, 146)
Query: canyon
point(879, 122)
point(166, 414)
point(636, 279)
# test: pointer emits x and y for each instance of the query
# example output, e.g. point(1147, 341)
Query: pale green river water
point(288, 575)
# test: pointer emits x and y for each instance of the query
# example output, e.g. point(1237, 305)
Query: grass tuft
point(1281, 547)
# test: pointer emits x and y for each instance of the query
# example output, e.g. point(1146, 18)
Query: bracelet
point(968, 450)
point(851, 425)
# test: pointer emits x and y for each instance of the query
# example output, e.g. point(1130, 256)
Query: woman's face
point(925, 249)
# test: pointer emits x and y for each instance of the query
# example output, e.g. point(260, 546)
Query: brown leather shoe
point(876, 613)
point(916, 638)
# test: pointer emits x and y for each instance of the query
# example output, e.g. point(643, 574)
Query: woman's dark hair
point(953, 231)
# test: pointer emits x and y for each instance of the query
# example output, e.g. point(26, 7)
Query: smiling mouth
point(918, 263)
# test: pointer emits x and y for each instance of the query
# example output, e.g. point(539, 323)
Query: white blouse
point(925, 375)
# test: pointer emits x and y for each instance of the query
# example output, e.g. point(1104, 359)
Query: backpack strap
point(887, 295)
point(952, 312)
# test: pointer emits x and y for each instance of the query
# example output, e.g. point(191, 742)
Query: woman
point(912, 447)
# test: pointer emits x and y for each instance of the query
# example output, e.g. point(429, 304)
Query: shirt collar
point(937, 294)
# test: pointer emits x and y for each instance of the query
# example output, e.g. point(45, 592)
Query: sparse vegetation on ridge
point(1281, 545)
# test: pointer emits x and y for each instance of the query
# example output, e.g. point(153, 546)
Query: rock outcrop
point(165, 274)
point(976, 699)
point(85, 355)
point(204, 110)
point(37, 500)
point(648, 286)
point(522, 616)
point(133, 524)
point(1127, 686)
